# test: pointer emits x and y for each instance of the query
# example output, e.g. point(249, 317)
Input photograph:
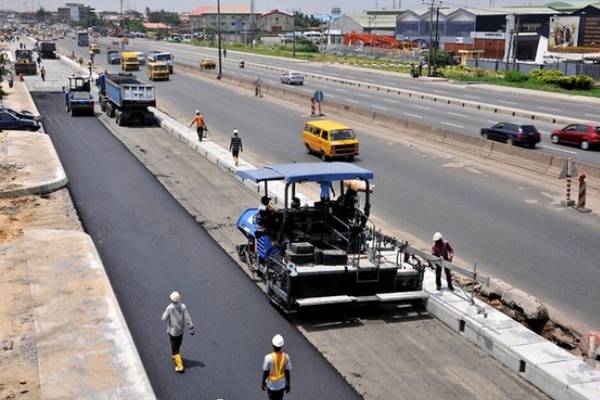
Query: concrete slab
point(590, 390)
point(29, 164)
point(567, 380)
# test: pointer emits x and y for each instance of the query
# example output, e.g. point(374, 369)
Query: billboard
point(591, 32)
point(564, 32)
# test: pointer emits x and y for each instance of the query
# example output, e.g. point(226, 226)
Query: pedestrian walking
point(200, 125)
point(442, 249)
point(224, 52)
point(177, 317)
point(11, 79)
point(39, 60)
point(258, 87)
point(43, 73)
point(235, 146)
point(276, 378)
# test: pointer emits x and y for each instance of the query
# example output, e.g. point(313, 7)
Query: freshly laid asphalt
point(150, 246)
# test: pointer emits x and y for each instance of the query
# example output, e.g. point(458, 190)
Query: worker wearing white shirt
point(276, 371)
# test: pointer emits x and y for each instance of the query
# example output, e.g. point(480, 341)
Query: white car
point(292, 78)
point(141, 57)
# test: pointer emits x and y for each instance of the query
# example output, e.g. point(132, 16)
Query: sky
point(307, 6)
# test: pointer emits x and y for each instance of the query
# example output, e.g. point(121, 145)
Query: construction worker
point(258, 87)
point(276, 371)
point(441, 248)
point(200, 125)
point(43, 73)
point(236, 146)
point(177, 316)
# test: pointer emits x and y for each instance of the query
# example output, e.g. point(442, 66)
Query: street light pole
point(219, 37)
point(294, 35)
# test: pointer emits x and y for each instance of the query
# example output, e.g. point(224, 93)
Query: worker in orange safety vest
point(276, 371)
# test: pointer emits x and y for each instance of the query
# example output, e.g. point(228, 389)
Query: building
point(379, 22)
point(234, 19)
point(276, 21)
point(73, 12)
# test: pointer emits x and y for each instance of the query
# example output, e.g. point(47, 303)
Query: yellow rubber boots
point(178, 361)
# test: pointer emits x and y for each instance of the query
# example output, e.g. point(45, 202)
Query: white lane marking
point(507, 102)
point(380, 108)
point(548, 108)
point(341, 90)
point(307, 90)
point(413, 87)
point(451, 124)
point(331, 96)
point(456, 114)
point(557, 149)
point(491, 121)
point(353, 101)
point(470, 96)
point(391, 101)
point(438, 91)
point(420, 107)
point(413, 115)
point(363, 95)
point(593, 115)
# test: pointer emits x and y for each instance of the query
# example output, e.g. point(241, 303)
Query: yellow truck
point(157, 71)
point(330, 139)
point(129, 61)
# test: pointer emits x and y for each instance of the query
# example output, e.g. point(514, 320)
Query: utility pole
point(219, 38)
point(294, 35)
point(433, 4)
point(516, 42)
point(436, 46)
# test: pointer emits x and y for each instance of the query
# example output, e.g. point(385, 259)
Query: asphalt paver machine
point(328, 251)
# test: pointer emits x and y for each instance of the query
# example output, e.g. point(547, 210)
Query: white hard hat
point(197, 111)
point(235, 131)
point(175, 297)
point(277, 340)
point(437, 236)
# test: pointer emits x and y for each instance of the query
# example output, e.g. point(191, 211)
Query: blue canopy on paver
point(307, 172)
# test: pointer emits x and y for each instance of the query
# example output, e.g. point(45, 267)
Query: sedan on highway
point(141, 57)
point(21, 121)
point(292, 78)
point(582, 135)
point(511, 133)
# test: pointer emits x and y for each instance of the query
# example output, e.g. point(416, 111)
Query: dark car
point(582, 135)
point(13, 120)
point(113, 56)
point(511, 133)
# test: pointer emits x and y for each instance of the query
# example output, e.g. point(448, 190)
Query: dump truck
point(83, 38)
point(163, 57)
point(327, 252)
point(78, 99)
point(157, 71)
point(129, 61)
point(48, 50)
point(24, 62)
point(127, 99)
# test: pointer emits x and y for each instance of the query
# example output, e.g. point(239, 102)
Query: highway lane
point(586, 111)
point(439, 115)
point(150, 245)
point(513, 230)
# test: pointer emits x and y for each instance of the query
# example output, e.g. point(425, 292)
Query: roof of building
point(520, 10)
point(572, 5)
point(374, 21)
point(225, 9)
point(275, 11)
point(155, 25)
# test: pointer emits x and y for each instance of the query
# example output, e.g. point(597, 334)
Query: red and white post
point(313, 107)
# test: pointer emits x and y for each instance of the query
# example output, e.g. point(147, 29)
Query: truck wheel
point(324, 156)
point(102, 106)
point(118, 118)
point(111, 111)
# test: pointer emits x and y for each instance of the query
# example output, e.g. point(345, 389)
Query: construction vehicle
point(208, 63)
point(83, 38)
point(380, 41)
point(127, 99)
point(48, 50)
point(157, 71)
point(78, 99)
point(129, 61)
point(24, 63)
point(327, 252)
point(163, 57)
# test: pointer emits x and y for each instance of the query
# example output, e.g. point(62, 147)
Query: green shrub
point(567, 82)
point(515, 76)
point(550, 76)
point(584, 82)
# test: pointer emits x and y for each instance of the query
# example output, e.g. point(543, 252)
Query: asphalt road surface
point(150, 246)
point(449, 117)
point(514, 232)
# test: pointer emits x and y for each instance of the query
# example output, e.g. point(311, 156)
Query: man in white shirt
point(276, 371)
point(177, 316)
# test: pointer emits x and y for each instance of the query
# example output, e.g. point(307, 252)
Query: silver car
point(141, 57)
point(292, 78)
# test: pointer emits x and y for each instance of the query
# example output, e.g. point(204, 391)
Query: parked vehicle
point(329, 140)
point(48, 50)
point(157, 71)
point(512, 133)
point(167, 58)
point(21, 121)
point(24, 63)
point(208, 63)
point(113, 56)
point(141, 57)
point(129, 61)
point(127, 99)
point(582, 135)
point(78, 99)
point(292, 78)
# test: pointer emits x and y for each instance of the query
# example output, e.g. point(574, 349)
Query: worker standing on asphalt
point(236, 146)
point(200, 125)
point(276, 371)
point(258, 87)
point(442, 249)
point(43, 73)
point(177, 316)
